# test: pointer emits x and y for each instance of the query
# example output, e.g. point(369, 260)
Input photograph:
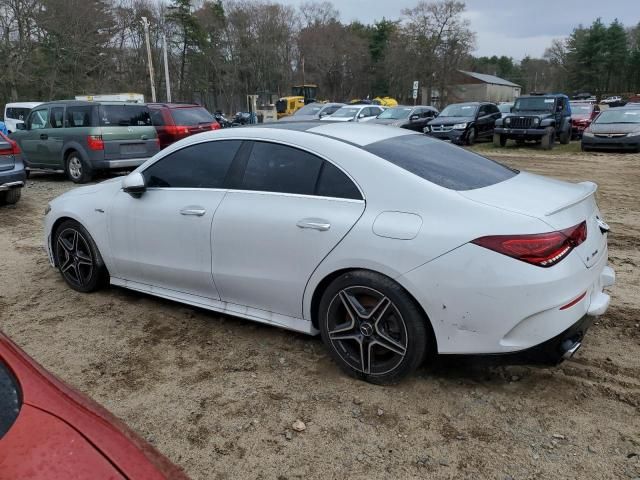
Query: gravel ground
point(219, 395)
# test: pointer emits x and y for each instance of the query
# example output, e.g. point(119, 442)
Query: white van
point(15, 113)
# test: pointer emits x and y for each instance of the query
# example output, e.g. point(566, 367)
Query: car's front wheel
point(10, 197)
point(499, 140)
point(373, 328)
point(77, 257)
point(77, 169)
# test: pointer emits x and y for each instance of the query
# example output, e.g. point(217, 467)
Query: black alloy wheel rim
point(74, 257)
point(367, 330)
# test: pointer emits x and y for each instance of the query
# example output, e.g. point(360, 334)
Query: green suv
point(83, 137)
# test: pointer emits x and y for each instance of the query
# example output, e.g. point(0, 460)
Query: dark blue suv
point(12, 173)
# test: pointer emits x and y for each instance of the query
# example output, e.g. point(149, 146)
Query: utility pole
point(145, 24)
point(166, 68)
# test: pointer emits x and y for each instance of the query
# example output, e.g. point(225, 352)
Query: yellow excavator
point(301, 95)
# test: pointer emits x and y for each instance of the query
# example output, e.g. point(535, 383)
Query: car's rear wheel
point(565, 137)
point(77, 169)
point(77, 257)
point(373, 328)
point(11, 196)
point(546, 143)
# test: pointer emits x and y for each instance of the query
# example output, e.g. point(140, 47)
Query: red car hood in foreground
point(62, 434)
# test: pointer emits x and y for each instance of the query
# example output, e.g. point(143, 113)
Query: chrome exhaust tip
point(571, 350)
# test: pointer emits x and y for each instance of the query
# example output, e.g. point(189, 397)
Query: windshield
point(311, 109)
point(397, 113)
point(124, 116)
point(346, 112)
point(191, 116)
point(459, 110)
point(616, 115)
point(535, 104)
point(581, 108)
point(505, 107)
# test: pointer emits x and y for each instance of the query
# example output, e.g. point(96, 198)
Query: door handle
point(43, 136)
point(196, 211)
point(314, 224)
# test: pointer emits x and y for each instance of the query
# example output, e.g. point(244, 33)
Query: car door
point(287, 210)
point(55, 136)
point(482, 121)
point(32, 139)
point(163, 238)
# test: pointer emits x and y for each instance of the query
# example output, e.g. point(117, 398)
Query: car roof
point(174, 105)
point(22, 104)
point(83, 103)
point(357, 134)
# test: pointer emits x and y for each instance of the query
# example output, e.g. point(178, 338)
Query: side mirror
point(511, 110)
point(21, 126)
point(414, 117)
point(323, 114)
point(134, 185)
point(361, 115)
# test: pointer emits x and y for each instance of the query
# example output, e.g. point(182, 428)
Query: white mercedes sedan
point(392, 245)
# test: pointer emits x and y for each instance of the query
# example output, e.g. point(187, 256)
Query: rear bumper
point(520, 132)
point(480, 302)
point(12, 179)
point(116, 164)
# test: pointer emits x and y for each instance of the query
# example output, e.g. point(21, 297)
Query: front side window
point(78, 116)
point(38, 119)
point(204, 165)
point(441, 163)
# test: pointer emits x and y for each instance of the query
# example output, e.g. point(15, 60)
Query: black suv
point(542, 118)
point(464, 123)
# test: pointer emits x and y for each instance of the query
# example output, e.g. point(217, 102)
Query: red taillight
point(14, 149)
point(95, 142)
point(215, 126)
point(177, 130)
point(541, 249)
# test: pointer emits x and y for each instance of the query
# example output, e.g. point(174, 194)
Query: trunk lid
point(557, 203)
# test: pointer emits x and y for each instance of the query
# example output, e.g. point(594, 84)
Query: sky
point(514, 28)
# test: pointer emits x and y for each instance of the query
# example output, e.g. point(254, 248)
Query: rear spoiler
point(589, 189)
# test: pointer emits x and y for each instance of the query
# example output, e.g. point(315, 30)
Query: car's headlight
point(460, 126)
point(536, 121)
point(587, 133)
point(507, 120)
point(634, 134)
point(47, 209)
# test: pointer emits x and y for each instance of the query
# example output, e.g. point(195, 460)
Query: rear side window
point(204, 165)
point(56, 117)
point(10, 399)
point(191, 116)
point(334, 183)
point(157, 118)
point(278, 168)
point(124, 116)
point(78, 117)
point(441, 163)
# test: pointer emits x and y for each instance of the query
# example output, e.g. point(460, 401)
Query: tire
point(12, 196)
point(471, 137)
point(565, 138)
point(499, 140)
point(77, 258)
point(546, 143)
point(372, 327)
point(77, 169)
point(520, 142)
point(583, 148)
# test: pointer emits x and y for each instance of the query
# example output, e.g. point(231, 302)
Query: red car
point(582, 114)
point(50, 431)
point(174, 121)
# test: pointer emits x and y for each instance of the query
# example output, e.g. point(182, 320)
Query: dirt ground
point(218, 395)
